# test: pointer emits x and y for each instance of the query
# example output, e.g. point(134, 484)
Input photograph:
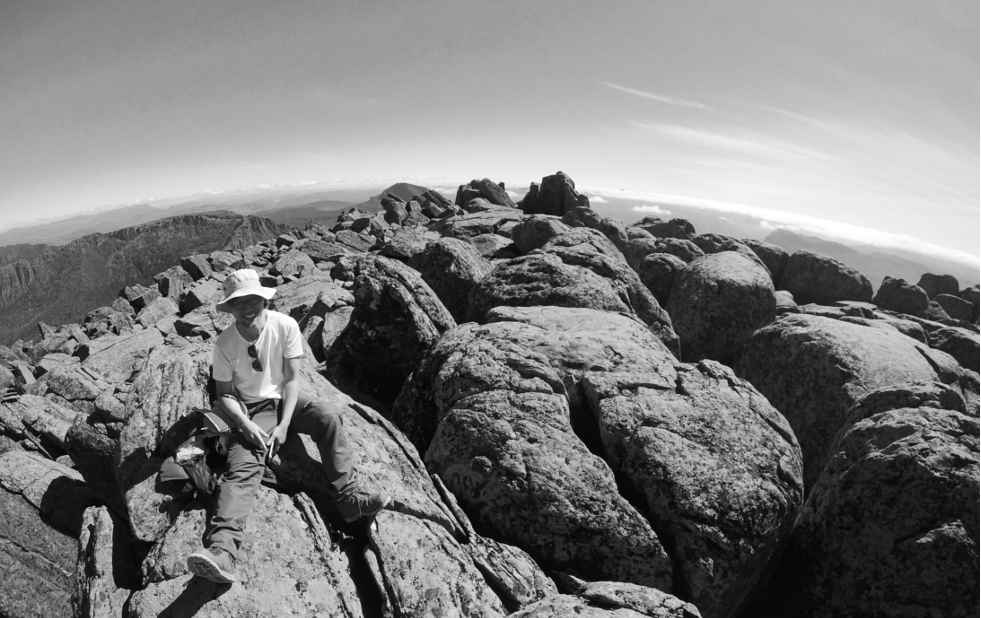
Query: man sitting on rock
point(255, 364)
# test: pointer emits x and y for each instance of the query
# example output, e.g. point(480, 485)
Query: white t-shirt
point(279, 339)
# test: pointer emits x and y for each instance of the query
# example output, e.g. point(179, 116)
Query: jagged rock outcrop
point(901, 296)
point(814, 278)
point(688, 475)
point(485, 188)
point(556, 195)
point(494, 221)
point(891, 526)
point(716, 243)
point(603, 599)
point(815, 369)
point(934, 284)
point(717, 303)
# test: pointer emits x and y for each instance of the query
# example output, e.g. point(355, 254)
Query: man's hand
point(276, 439)
point(253, 434)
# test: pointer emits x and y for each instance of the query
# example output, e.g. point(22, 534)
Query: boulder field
point(573, 416)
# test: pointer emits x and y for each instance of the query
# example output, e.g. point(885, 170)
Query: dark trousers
point(245, 465)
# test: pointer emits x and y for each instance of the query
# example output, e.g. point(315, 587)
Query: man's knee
point(323, 416)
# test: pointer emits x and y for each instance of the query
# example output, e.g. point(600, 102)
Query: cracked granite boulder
point(891, 525)
point(815, 369)
point(527, 416)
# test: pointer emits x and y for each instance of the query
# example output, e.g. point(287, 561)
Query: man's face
point(246, 308)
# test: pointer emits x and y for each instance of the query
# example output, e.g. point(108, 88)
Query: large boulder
point(902, 296)
point(397, 317)
point(934, 284)
point(659, 272)
point(717, 303)
point(41, 505)
point(694, 448)
point(535, 231)
point(815, 369)
point(503, 443)
point(716, 243)
point(773, 256)
point(451, 267)
point(556, 195)
point(586, 217)
point(814, 278)
point(891, 526)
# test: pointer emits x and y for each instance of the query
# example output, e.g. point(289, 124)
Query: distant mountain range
point(58, 284)
point(102, 251)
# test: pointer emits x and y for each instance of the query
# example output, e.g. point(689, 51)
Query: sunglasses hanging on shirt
point(255, 358)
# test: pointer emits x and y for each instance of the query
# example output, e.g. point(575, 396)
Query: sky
point(857, 113)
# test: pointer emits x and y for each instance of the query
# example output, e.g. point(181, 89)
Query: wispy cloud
point(660, 98)
point(749, 145)
point(804, 119)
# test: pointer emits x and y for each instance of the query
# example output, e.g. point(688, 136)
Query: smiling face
point(246, 309)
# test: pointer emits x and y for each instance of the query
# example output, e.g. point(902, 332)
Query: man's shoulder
point(225, 337)
point(280, 320)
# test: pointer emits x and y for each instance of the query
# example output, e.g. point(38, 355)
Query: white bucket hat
point(244, 282)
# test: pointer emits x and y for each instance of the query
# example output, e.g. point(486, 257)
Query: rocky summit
point(573, 415)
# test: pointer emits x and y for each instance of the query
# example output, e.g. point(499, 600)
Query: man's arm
point(291, 389)
point(236, 416)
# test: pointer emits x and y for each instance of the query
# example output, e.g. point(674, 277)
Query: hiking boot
point(213, 565)
point(359, 505)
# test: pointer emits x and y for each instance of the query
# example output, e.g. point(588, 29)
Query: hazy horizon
point(859, 117)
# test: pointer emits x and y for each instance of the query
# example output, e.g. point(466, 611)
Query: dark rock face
point(659, 438)
point(397, 317)
point(814, 278)
point(717, 303)
point(675, 228)
point(556, 195)
point(901, 296)
point(452, 268)
point(934, 284)
point(891, 526)
point(486, 189)
point(774, 257)
point(955, 306)
point(815, 369)
point(960, 343)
